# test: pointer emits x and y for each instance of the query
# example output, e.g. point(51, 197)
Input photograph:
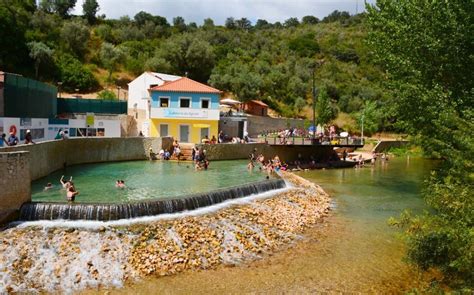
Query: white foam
point(93, 224)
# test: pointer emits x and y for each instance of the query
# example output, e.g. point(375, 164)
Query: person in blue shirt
point(3, 140)
point(12, 140)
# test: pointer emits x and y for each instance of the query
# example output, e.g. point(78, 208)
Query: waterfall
point(106, 212)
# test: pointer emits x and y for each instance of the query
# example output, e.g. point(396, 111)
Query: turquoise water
point(144, 180)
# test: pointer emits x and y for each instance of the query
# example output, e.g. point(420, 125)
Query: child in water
point(71, 193)
point(120, 183)
point(48, 186)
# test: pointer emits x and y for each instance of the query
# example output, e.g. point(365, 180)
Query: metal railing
point(305, 140)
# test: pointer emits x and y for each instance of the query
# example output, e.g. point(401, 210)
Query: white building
point(139, 97)
point(47, 129)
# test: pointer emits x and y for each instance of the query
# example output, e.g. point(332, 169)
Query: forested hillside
point(270, 62)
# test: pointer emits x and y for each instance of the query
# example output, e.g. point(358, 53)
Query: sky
point(220, 10)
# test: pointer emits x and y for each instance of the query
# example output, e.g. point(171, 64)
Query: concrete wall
point(257, 124)
point(383, 146)
point(286, 153)
point(49, 156)
point(15, 188)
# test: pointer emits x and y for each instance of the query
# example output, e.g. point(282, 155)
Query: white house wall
point(41, 126)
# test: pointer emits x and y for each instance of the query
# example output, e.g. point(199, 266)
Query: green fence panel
point(28, 98)
point(97, 106)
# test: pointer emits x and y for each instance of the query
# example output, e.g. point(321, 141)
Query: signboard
point(90, 119)
point(185, 113)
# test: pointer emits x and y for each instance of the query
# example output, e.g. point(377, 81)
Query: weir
point(106, 212)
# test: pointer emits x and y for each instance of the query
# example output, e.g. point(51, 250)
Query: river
point(354, 250)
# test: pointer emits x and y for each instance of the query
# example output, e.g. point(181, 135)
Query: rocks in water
point(36, 259)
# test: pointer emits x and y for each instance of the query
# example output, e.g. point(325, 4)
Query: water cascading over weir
point(107, 211)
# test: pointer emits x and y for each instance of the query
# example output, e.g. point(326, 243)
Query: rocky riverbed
point(35, 259)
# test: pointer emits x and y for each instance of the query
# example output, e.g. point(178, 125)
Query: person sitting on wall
point(71, 193)
point(3, 140)
point(58, 135)
point(213, 139)
point(140, 134)
point(152, 155)
point(161, 154)
point(177, 153)
point(65, 184)
point(221, 137)
point(28, 137)
point(12, 140)
point(206, 140)
point(167, 155)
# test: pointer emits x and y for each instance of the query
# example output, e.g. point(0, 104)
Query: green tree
point(230, 23)
point(14, 22)
point(89, 9)
point(179, 23)
point(111, 56)
point(142, 17)
point(107, 94)
point(188, 53)
point(305, 45)
point(370, 117)
point(262, 24)
point(325, 111)
point(426, 48)
point(337, 15)
point(243, 24)
point(75, 34)
point(208, 24)
point(74, 75)
point(60, 7)
point(291, 22)
point(309, 20)
point(40, 53)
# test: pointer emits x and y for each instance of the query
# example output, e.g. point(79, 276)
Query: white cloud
point(219, 10)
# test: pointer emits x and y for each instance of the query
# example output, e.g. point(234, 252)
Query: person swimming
point(48, 186)
point(120, 183)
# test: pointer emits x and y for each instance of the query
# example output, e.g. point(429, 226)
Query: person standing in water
point(65, 184)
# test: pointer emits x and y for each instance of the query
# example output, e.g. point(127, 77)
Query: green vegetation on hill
point(270, 62)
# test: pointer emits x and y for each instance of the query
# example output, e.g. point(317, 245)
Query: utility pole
point(362, 128)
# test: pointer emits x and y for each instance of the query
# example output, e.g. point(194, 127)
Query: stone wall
point(257, 124)
point(286, 153)
point(14, 183)
point(49, 156)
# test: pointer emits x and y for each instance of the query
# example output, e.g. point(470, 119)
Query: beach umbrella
point(229, 101)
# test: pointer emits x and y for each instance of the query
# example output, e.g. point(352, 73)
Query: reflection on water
point(354, 250)
point(144, 180)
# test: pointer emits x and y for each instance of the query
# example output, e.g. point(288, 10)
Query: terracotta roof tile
point(185, 84)
point(259, 102)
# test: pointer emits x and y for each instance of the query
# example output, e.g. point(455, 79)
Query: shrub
point(106, 94)
point(74, 75)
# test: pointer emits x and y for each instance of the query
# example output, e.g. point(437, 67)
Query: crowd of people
point(13, 140)
point(269, 166)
